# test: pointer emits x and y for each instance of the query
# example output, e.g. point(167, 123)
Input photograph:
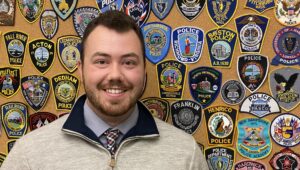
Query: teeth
point(114, 91)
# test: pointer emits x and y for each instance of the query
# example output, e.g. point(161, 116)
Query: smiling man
point(108, 128)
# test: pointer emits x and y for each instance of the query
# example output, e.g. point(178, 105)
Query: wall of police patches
point(226, 72)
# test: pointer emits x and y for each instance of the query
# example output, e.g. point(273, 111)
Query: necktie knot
point(111, 137)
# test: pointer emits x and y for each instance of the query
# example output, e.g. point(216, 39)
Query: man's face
point(113, 71)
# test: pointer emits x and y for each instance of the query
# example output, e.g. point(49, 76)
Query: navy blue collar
point(75, 122)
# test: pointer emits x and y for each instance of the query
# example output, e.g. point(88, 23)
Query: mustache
point(114, 83)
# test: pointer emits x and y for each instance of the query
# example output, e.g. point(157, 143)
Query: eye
point(130, 62)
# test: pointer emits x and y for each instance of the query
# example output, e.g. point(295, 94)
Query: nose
point(115, 72)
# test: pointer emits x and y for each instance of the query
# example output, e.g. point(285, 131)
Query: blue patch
point(187, 44)
point(222, 11)
point(82, 17)
point(221, 44)
point(108, 5)
point(171, 78)
point(220, 158)
point(205, 84)
point(157, 40)
point(259, 5)
point(139, 10)
point(14, 118)
point(253, 138)
point(286, 45)
point(161, 8)
point(251, 30)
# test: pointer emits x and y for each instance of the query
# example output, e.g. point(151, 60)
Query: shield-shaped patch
point(158, 107)
point(190, 9)
point(9, 81)
point(7, 14)
point(161, 8)
point(139, 10)
point(64, 8)
point(40, 119)
point(105, 5)
point(49, 23)
point(220, 158)
point(31, 10)
point(285, 159)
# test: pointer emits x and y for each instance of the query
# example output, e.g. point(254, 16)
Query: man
point(108, 128)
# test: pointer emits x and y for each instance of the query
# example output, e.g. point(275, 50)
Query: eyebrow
point(98, 53)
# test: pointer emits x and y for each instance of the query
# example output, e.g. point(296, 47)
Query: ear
point(80, 67)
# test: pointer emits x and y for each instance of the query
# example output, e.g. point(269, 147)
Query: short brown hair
point(115, 20)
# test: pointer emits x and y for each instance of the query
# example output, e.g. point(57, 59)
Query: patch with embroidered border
point(139, 10)
point(10, 145)
point(232, 92)
point(35, 90)
point(161, 8)
point(286, 45)
point(105, 5)
point(186, 115)
point(10, 79)
point(2, 158)
point(287, 12)
point(7, 13)
point(158, 107)
point(65, 88)
point(190, 9)
point(259, 5)
point(251, 30)
point(221, 11)
point(42, 54)
point(40, 119)
point(157, 38)
point(220, 124)
point(187, 43)
point(260, 105)
point(285, 159)
point(249, 164)
point(171, 79)
point(64, 8)
point(221, 44)
point(68, 51)
point(220, 157)
point(205, 85)
point(284, 86)
point(15, 42)
point(49, 23)
point(82, 16)
point(14, 119)
point(252, 70)
point(253, 139)
point(31, 10)
point(285, 130)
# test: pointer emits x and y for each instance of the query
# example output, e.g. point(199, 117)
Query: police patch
point(221, 11)
point(82, 17)
point(65, 89)
point(251, 30)
point(232, 92)
point(9, 81)
point(249, 164)
point(7, 13)
point(139, 10)
point(260, 5)
point(190, 9)
point(220, 123)
point(187, 43)
point(161, 8)
point(285, 159)
point(49, 23)
point(31, 10)
point(15, 42)
point(171, 78)
point(2, 158)
point(109, 5)
point(10, 145)
point(252, 70)
point(253, 138)
point(68, 51)
point(186, 115)
point(286, 45)
point(260, 105)
point(158, 107)
point(40, 119)
point(285, 130)
point(285, 87)
point(14, 119)
point(35, 90)
point(157, 40)
point(221, 44)
point(205, 85)
point(220, 158)
point(64, 8)
point(287, 12)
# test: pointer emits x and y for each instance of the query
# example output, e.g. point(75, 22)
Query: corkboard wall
point(174, 19)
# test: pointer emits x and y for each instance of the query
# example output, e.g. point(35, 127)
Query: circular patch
point(15, 120)
point(220, 125)
point(251, 34)
point(15, 48)
point(221, 50)
point(233, 92)
point(65, 91)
